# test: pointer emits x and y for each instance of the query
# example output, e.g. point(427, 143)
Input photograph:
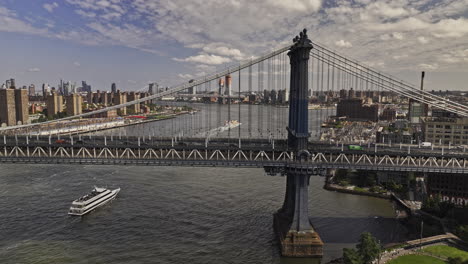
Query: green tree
point(340, 174)
point(435, 205)
point(368, 248)
point(462, 232)
point(456, 260)
point(351, 256)
point(367, 178)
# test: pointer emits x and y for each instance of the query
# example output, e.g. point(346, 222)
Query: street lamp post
point(380, 251)
point(420, 239)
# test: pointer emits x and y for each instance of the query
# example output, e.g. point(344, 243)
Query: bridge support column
point(291, 223)
point(296, 234)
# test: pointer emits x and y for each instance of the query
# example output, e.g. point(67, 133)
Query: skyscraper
point(32, 90)
point(114, 88)
point(85, 87)
point(135, 108)
point(45, 90)
point(7, 107)
point(153, 88)
point(121, 98)
point(193, 89)
point(415, 111)
point(66, 88)
point(21, 106)
point(74, 104)
point(54, 104)
point(228, 83)
point(12, 84)
point(220, 90)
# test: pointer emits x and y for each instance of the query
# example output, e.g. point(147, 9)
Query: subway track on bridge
point(274, 156)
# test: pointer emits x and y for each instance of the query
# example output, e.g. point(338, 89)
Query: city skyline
point(132, 45)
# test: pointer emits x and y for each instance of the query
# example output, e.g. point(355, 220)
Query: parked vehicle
point(355, 147)
point(426, 144)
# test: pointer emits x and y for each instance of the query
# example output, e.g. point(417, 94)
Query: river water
point(170, 215)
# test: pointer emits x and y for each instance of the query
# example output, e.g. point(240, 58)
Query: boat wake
point(216, 131)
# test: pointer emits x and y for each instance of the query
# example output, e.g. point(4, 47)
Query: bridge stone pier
point(292, 225)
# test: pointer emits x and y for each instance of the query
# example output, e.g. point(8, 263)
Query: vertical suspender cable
point(249, 102)
point(210, 106)
point(269, 98)
point(322, 118)
point(317, 74)
point(330, 109)
point(239, 104)
point(260, 106)
point(228, 96)
point(321, 89)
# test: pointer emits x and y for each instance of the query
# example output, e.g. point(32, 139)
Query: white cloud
point(423, 40)
point(380, 8)
point(408, 24)
point(395, 35)
point(296, 5)
point(402, 56)
point(385, 37)
point(103, 3)
point(343, 43)
point(441, 29)
point(50, 7)
point(83, 13)
point(205, 59)
point(35, 69)
point(388, 33)
point(185, 76)
point(127, 35)
point(77, 64)
point(448, 28)
point(430, 67)
point(223, 51)
point(10, 23)
point(398, 35)
point(110, 16)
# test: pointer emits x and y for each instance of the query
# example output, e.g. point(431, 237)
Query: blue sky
point(136, 42)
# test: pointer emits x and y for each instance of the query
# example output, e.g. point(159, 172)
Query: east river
point(170, 215)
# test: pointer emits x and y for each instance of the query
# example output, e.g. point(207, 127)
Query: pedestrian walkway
point(413, 247)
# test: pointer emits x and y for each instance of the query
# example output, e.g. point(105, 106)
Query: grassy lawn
point(413, 259)
point(446, 251)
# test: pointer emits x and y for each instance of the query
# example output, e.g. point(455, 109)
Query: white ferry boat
point(98, 197)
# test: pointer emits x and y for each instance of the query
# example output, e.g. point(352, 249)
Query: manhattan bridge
point(275, 139)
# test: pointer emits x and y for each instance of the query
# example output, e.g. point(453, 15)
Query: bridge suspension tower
point(292, 225)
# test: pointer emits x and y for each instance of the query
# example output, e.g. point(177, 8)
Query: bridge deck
point(226, 153)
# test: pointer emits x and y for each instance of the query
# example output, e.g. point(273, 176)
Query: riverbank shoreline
point(125, 125)
point(341, 189)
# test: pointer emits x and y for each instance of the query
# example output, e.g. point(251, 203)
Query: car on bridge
point(355, 147)
point(60, 141)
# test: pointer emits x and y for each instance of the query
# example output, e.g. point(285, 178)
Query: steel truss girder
point(223, 157)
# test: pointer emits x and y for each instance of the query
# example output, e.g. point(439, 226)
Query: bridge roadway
point(273, 155)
